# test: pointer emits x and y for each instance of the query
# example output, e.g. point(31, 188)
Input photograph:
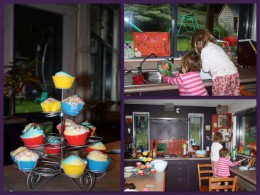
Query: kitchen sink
point(152, 77)
point(246, 168)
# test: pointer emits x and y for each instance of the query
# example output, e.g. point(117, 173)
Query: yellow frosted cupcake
point(51, 105)
point(63, 80)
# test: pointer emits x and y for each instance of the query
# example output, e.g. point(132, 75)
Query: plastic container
point(200, 153)
point(159, 165)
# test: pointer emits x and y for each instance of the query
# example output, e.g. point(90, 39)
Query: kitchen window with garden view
point(166, 29)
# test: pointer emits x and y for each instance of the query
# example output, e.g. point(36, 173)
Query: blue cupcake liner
point(71, 110)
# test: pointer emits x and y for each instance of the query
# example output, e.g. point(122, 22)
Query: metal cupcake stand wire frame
point(49, 166)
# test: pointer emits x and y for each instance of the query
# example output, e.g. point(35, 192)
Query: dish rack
point(49, 165)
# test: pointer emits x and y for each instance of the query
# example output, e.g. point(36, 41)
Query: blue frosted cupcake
point(72, 105)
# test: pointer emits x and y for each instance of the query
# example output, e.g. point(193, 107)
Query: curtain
point(83, 60)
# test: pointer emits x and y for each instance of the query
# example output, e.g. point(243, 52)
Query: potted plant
point(16, 77)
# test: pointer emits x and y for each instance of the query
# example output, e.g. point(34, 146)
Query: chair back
point(44, 95)
point(204, 173)
point(222, 184)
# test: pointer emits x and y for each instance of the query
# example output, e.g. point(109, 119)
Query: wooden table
point(15, 180)
point(141, 182)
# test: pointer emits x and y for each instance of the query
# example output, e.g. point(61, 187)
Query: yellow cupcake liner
point(51, 106)
point(73, 170)
point(63, 82)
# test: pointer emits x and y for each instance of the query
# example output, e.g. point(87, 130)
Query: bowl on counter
point(159, 165)
point(200, 153)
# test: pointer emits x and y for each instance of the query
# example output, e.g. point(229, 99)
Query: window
point(196, 128)
point(226, 21)
point(246, 127)
point(37, 43)
point(103, 55)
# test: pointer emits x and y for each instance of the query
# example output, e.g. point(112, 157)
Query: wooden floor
point(15, 180)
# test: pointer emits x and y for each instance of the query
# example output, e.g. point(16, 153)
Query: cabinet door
point(193, 174)
point(130, 163)
point(177, 178)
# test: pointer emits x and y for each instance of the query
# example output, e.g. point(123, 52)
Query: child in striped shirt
point(189, 83)
point(224, 163)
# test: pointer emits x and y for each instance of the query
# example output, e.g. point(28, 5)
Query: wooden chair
point(204, 173)
point(222, 184)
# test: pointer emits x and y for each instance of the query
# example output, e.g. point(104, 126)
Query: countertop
point(174, 158)
point(247, 175)
point(141, 182)
point(247, 75)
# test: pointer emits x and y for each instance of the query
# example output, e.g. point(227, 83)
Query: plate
point(166, 68)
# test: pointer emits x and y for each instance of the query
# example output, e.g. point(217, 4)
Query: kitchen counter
point(249, 176)
point(157, 182)
point(247, 75)
point(174, 158)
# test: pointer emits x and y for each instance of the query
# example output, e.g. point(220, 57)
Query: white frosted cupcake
point(76, 135)
point(27, 160)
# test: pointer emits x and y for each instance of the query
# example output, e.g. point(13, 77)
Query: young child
point(215, 148)
point(224, 73)
point(190, 82)
point(224, 163)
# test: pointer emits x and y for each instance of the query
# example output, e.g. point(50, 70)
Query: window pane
point(37, 44)
point(247, 129)
point(152, 22)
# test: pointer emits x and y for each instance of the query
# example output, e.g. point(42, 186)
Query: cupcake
point(53, 145)
point(91, 127)
point(98, 161)
point(33, 135)
point(63, 80)
point(51, 105)
point(16, 151)
point(96, 146)
point(74, 166)
point(26, 160)
point(76, 135)
point(68, 122)
point(72, 105)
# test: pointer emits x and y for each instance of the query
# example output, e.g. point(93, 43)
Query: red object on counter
point(138, 79)
point(232, 40)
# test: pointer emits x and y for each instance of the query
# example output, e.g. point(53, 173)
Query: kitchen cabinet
point(130, 163)
point(177, 176)
point(221, 121)
point(182, 175)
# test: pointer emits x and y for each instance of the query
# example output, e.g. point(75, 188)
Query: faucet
point(140, 69)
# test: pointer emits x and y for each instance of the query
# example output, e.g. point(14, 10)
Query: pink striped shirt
point(189, 84)
point(223, 167)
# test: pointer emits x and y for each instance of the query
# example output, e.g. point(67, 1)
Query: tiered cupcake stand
point(49, 166)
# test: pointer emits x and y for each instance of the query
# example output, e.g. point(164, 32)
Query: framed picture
point(207, 127)
point(222, 121)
